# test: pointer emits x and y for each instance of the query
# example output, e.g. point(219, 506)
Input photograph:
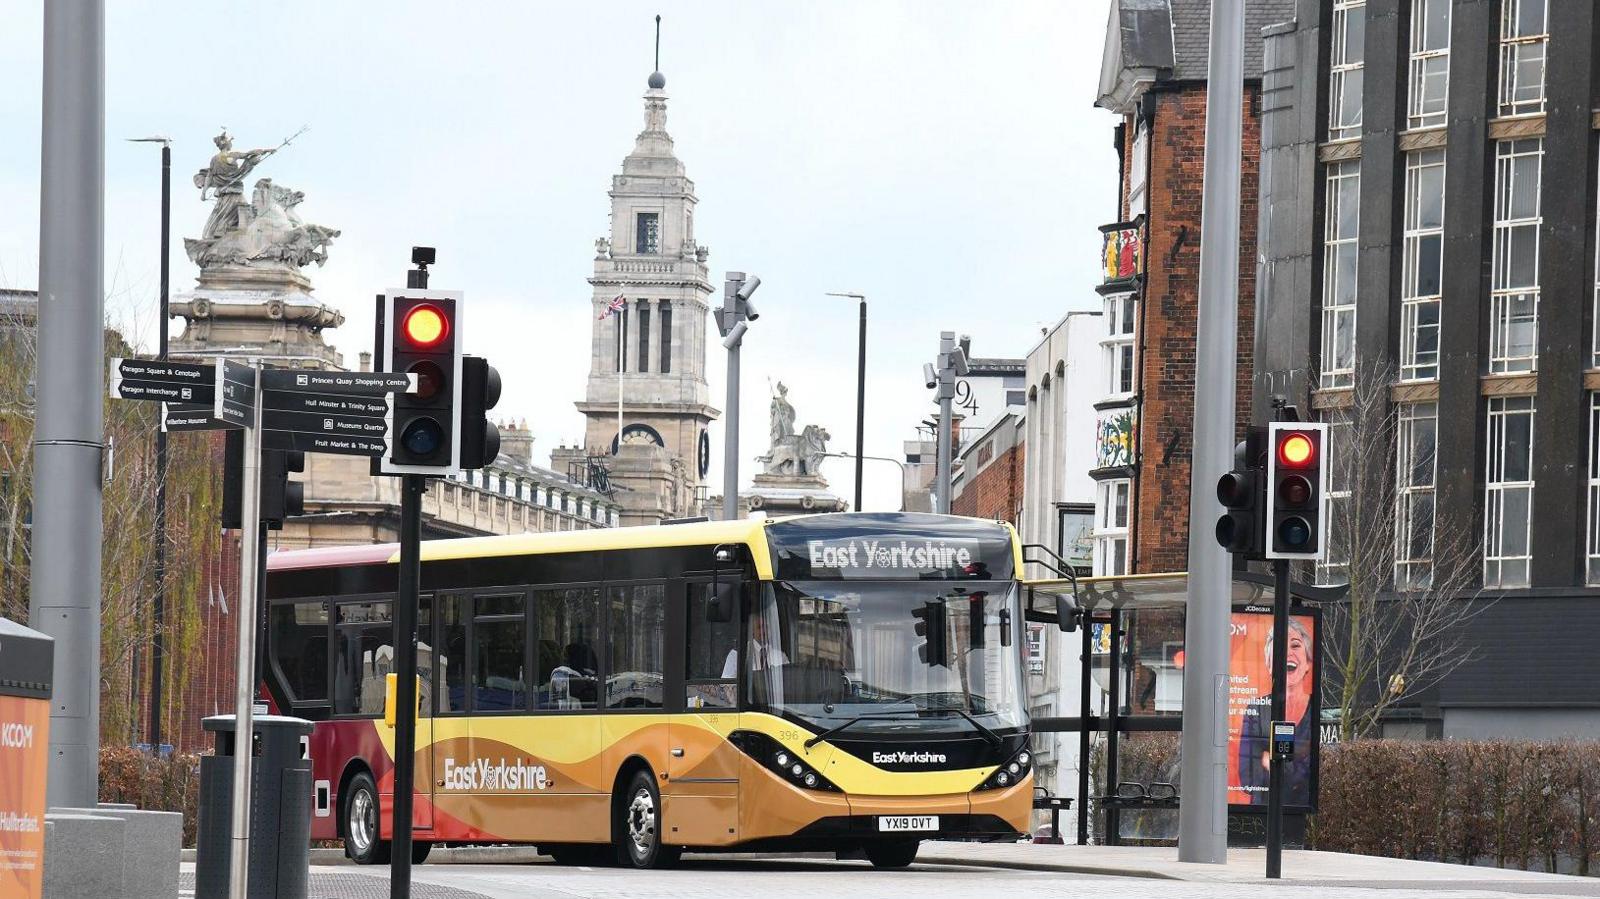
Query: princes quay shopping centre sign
point(890, 556)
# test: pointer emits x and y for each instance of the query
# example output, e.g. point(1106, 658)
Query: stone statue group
point(267, 231)
point(797, 455)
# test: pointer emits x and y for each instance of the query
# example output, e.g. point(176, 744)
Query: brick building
point(989, 484)
point(1154, 78)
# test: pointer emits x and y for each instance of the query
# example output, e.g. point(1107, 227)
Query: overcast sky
point(944, 158)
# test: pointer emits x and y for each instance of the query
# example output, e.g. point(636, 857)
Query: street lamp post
point(733, 318)
point(861, 392)
point(858, 457)
point(941, 376)
point(158, 601)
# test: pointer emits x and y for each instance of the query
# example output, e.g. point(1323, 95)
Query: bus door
point(702, 787)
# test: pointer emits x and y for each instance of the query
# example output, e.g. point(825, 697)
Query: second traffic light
point(1242, 529)
point(480, 390)
point(1297, 490)
point(422, 337)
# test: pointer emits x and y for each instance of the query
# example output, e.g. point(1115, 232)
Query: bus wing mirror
point(1067, 614)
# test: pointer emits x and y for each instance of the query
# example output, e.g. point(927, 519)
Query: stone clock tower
point(649, 333)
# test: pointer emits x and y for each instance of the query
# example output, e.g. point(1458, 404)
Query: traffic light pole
point(1280, 677)
point(412, 486)
point(407, 597)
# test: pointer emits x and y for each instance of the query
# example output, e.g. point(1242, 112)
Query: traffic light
point(1242, 528)
point(233, 480)
point(1297, 484)
point(480, 390)
point(423, 338)
point(281, 497)
point(934, 629)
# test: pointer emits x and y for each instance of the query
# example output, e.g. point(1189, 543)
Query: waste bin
point(280, 820)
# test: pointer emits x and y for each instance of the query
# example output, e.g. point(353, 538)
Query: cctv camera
point(750, 311)
point(748, 287)
point(422, 255)
point(928, 375)
point(735, 335)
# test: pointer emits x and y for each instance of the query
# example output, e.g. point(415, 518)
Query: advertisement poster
point(1250, 711)
point(24, 746)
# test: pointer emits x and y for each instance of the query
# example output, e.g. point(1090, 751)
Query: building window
point(1138, 169)
point(1594, 489)
point(1343, 214)
point(621, 317)
point(1508, 500)
point(1524, 35)
point(1423, 266)
point(1118, 344)
point(1345, 68)
point(1430, 62)
point(1514, 300)
point(1415, 440)
point(1334, 566)
point(1111, 527)
point(647, 232)
point(644, 335)
point(664, 364)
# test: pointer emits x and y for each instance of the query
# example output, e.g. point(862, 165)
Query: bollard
point(280, 819)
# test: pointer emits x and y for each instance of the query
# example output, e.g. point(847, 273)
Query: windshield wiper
point(993, 738)
point(867, 717)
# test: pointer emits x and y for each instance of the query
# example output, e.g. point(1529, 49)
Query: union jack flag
point(614, 306)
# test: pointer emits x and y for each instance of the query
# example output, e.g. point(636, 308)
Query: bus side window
point(566, 664)
point(452, 655)
point(713, 660)
point(638, 617)
point(366, 656)
point(299, 645)
point(498, 682)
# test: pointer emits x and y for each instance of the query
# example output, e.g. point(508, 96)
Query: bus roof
point(745, 531)
point(750, 532)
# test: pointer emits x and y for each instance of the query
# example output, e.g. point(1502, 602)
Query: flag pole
point(622, 367)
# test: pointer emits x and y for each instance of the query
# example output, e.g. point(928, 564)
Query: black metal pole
point(1114, 723)
point(158, 601)
point(407, 596)
point(1280, 676)
point(261, 604)
point(405, 720)
point(1085, 675)
point(861, 403)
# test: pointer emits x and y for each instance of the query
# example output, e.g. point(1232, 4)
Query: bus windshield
point(901, 656)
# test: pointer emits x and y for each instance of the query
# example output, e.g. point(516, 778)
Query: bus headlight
point(780, 760)
point(1009, 773)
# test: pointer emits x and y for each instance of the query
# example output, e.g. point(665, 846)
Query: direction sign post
point(237, 400)
point(154, 379)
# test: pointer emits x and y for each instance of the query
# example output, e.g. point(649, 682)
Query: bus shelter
point(1130, 690)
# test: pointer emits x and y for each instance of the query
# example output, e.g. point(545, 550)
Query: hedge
point(1506, 803)
point(169, 784)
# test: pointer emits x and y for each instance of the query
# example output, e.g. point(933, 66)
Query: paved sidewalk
point(1243, 866)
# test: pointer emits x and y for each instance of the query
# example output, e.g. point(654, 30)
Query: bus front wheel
point(361, 842)
point(638, 826)
point(897, 854)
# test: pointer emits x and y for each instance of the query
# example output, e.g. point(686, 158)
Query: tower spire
point(658, 80)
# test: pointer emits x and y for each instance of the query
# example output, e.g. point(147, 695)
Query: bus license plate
point(908, 822)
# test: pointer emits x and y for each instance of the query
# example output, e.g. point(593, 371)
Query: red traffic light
point(1296, 450)
point(425, 326)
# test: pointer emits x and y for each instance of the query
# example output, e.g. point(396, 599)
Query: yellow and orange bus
point(848, 682)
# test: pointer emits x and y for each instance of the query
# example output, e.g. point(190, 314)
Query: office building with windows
point(1428, 285)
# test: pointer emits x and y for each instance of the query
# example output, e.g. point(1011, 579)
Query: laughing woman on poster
point(1255, 729)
